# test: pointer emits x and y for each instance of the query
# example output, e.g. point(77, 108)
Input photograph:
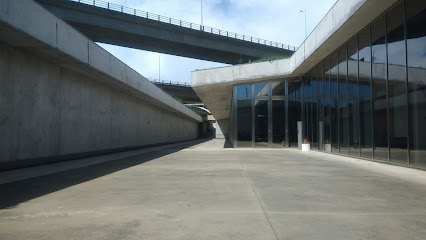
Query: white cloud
point(275, 20)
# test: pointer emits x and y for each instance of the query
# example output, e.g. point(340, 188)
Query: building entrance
point(261, 123)
point(260, 114)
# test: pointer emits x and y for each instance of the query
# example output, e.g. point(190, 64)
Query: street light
point(159, 67)
point(306, 32)
point(202, 27)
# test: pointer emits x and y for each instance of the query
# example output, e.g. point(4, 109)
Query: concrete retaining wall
point(49, 113)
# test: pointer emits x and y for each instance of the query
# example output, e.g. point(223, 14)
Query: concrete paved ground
point(205, 191)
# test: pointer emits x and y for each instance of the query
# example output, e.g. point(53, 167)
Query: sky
point(274, 20)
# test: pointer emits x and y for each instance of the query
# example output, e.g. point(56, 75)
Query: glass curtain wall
point(368, 98)
point(378, 58)
point(353, 100)
point(342, 102)
point(244, 116)
point(278, 90)
point(365, 91)
point(326, 104)
point(294, 109)
point(260, 114)
point(397, 89)
point(415, 18)
point(334, 121)
point(320, 99)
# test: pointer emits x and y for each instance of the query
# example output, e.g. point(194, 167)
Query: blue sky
point(276, 20)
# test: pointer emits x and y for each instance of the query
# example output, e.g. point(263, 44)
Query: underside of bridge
point(126, 29)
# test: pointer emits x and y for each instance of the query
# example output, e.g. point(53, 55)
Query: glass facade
point(367, 99)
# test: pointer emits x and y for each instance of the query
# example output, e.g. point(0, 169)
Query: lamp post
point(159, 67)
point(202, 26)
point(306, 32)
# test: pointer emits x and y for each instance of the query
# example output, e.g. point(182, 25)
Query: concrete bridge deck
point(118, 25)
point(203, 191)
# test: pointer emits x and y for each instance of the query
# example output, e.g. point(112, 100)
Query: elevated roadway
point(113, 24)
point(179, 90)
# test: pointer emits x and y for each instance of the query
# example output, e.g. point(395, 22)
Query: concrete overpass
point(180, 90)
point(118, 25)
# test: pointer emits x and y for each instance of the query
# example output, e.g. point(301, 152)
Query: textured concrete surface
point(61, 94)
point(207, 192)
point(52, 111)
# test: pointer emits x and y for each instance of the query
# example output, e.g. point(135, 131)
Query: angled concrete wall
point(49, 111)
point(64, 97)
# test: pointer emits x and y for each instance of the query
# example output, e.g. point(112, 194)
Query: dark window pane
point(416, 59)
point(379, 86)
point(365, 111)
point(326, 78)
point(278, 123)
point(313, 101)
point(261, 123)
point(314, 123)
point(334, 121)
point(342, 101)
point(295, 110)
point(398, 127)
point(326, 105)
point(244, 117)
point(320, 124)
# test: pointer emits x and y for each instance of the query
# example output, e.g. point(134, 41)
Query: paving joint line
point(257, 197)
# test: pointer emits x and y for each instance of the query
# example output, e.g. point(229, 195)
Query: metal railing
point(171, 83)
point(180, 23)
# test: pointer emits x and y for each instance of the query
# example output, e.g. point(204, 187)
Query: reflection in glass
point(343, 103)
point(353, 115)
point(365, 111)
point(244, 92)
point(416, 61)
point(379, 85)
point(278, 88)
point(261, 90)
point(320, 124)
point(334, 123)
point(294, 88)
point(313, 102)
point(310, 108)
point(398, 127)
point(326, 104)
point(346, 97)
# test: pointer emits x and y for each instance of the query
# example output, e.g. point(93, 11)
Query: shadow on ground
point(227, 144)
point(14, 193)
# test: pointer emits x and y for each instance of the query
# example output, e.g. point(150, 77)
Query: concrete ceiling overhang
point(344, 20)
